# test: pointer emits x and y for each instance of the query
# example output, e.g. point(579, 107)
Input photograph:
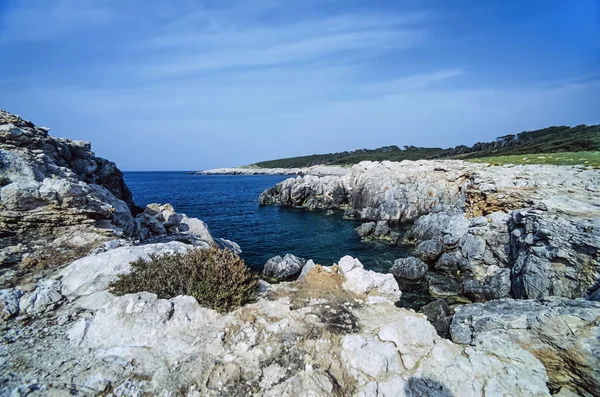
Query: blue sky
point(189, 84)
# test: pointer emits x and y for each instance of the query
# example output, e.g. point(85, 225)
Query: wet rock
point(366, 229)
point(429, 250)
point(409, 268)
point(443, 286)
point(377, 231)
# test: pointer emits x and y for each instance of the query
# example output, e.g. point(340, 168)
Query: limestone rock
point(561, 333)
point(46, 296)
point(367, 282)
point(286, 268)
point(160, 223)
point(377, 230)
point(439, 315)
point(554, 256)
point(310, 264)
point(429, 250)
point(95, 272)
point(9, 303)
point(310, 338)
point(409, 268)
point(308, 192)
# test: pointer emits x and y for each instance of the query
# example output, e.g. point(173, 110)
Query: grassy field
point(591, 159)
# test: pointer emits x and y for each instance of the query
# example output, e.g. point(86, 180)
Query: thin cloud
point(202, 84)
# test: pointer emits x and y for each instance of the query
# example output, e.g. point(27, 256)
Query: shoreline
point(317, 170)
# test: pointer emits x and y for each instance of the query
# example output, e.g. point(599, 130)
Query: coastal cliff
point(70, 229)
point(480, 232)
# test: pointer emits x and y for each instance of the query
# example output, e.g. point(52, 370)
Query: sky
point(190, 84)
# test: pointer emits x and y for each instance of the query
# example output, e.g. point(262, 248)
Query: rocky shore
point(317, 170)
point(480, 232)
point(69, 228)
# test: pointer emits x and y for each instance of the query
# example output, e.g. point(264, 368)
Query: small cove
point(229, 205)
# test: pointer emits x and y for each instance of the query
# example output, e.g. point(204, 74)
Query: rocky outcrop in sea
point(483, 232)
point(69, 229)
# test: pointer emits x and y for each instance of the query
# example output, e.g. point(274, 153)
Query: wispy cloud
point(41, 20)
point(243, 80)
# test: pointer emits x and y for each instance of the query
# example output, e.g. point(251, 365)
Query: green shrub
point(217, 278)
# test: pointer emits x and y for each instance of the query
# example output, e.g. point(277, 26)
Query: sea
point(229, 206)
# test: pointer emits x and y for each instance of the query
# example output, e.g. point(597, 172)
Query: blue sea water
point(229, 205)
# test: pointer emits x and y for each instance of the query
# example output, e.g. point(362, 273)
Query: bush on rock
point(217, 278)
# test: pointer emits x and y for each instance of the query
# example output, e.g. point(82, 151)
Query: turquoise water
point(229, 205)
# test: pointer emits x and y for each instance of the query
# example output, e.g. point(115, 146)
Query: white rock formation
point(325, 335)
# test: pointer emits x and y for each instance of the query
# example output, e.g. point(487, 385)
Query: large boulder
point(282, 269)
point(410, 268)
point(363, 282)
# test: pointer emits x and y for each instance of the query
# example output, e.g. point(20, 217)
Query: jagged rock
point(377, 230)
point(313, 337)
point(9, 303)
point(447, 227)
point(441, 285)
point(367, 282)
point(53, 187)
point(310, 264)
point(46, 296)
point(366, 229)
point(554, 256)
point(286, 268)
point(429, 250)
point(439, 315)
point(410, 268)
point(59, 202)
point(160, 223)
point(474, 253)
point(308, 192)
point(561, 333)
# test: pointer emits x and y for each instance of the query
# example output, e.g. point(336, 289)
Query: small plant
point(217, 278)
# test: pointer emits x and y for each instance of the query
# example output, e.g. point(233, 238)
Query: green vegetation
point(217, 278)
point(581, 138)
point(591, 159)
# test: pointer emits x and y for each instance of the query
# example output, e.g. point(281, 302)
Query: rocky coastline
point(317, 170)
point(481, 232)
point(524, 244)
